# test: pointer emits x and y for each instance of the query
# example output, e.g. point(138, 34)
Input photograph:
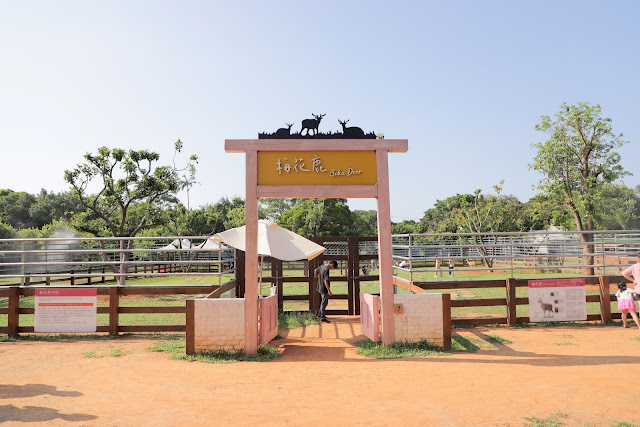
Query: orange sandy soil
point(319, 379)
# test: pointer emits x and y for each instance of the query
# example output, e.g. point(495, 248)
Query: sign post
point(317, 168)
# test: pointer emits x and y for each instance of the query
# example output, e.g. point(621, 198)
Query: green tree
point(407, 226)
point(133, 191)
point(577, 161)
point(14, 209)
point(364, 223)
point(319, 217)
point(7, 231)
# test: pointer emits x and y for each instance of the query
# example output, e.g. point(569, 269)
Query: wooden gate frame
point(379, 191)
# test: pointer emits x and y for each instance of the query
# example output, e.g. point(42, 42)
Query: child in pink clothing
point(626, 304)
point(632, 274)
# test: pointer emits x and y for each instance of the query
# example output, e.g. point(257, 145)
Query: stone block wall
point(421, 318)
point(218, 324)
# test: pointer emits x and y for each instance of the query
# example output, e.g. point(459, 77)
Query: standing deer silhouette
point(312, 124)
point(545, 307)
point(351, 132)
point(283, 132)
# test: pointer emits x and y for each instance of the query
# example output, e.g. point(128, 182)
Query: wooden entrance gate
point(352, 254)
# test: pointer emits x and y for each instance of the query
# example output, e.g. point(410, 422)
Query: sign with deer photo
point(317, 168)
point(556, 300)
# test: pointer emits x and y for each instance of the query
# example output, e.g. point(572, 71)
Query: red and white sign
point(66, 310)
point(554, 300)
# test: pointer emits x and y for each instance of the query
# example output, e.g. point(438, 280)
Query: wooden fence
point(510, 301)
point(113, 309)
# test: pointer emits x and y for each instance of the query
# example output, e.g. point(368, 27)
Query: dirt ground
point(589, 374)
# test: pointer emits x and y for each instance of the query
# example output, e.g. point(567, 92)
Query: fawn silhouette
point(284, 132)
point(351, 132)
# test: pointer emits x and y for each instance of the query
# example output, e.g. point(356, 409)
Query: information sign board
point(66, 310)
point(555, 300)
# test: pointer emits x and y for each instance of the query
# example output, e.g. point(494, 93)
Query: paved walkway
point(325, 341)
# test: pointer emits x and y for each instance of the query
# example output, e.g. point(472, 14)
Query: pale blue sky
point(464, 81)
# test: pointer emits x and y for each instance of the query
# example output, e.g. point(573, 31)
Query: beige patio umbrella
point(273, 241)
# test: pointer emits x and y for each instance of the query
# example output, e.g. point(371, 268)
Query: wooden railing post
point(13, 321)
point(114, 307)
point(605, 299)
point(446, 321)
point(240, 273)
point(511, 302)
point(190, 334)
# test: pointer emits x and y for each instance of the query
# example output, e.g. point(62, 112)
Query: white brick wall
point(219, 324)
point(421, 318)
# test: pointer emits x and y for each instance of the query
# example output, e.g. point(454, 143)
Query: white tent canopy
point(176, 244)
point(274, 241)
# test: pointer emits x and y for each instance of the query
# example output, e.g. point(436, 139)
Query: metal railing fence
point(36, 260)
point(568, 252)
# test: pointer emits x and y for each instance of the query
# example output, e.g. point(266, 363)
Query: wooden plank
point(511, 302)
point(484, 321)
point(384, 248)
point(154, 328)
point(405, 284)
point(27, 310)
point(316, 191)
point(295, 297)
point(4, 330)
point(4, 310)
point(604, 297)
point(190, 327)
point(251, 254)
point(152, 310)
point(338, 312)
point(478, 302)
point(446, 321)
point(167, 290)
point(13, 317)
point(304, 144)
point(595, 298)
point(461, 285)
point(114, 304)
point(352, 270)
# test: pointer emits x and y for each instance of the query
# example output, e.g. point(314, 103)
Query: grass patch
point(495, 339)
point(623, 424)
point(564, 343)
point(637, 338)
point(462, 344)
point(291, 320)
point(554, 420)
point(177, 349)
point(398, 350)
point(115, 352)
point(101, 337)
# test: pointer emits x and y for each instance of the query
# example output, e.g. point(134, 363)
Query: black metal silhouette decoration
point(312, 124)
point(311, 128)
point(283, 132)
point(351, 132)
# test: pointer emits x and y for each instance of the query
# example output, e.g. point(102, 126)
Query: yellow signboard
point(317, 168)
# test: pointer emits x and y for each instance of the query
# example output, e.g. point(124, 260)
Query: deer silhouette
point(284, 132)
point(545, 307)
point(351, 132)
point(312, 124)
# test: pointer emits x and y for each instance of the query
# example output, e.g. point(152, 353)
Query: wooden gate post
point(384, 249)
point(239, 264)
point(114, 309)
point(251, 255)
point(605, 299)
point(13, 321)
point(511, 302)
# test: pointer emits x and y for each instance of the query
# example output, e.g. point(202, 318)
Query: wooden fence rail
point(510, 301)
point(114, 309)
